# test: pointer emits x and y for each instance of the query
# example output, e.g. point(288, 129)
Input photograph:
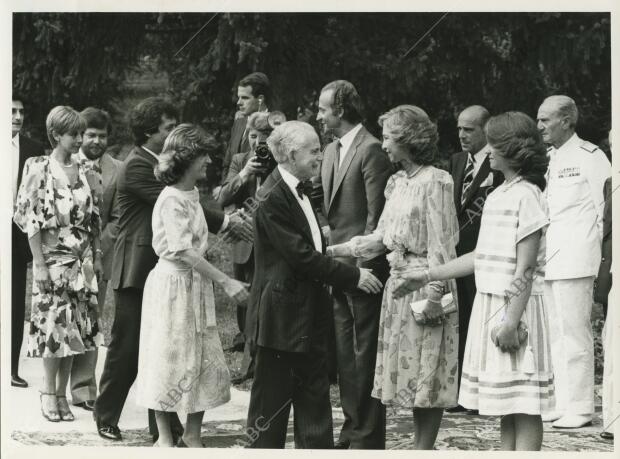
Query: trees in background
point(507, 61)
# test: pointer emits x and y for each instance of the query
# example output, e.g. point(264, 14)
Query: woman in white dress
point(181, 366)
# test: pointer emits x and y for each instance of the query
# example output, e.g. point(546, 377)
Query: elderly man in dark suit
point(289, 304)
point(23, 148)
point(473, 181)
point(354, 173)
point(137, 190)
point(101, 171)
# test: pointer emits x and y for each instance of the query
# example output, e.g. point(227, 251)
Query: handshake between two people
point(369, 247)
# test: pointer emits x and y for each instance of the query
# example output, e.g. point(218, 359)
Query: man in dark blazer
point(289, 304)
point(473, 181)
point(354, 173)
point(253, 95)
point(137, 190)
point(23, 148)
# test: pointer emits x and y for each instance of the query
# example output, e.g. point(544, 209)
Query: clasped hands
point(239, 227)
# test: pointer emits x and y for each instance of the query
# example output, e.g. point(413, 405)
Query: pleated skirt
point(495, 382)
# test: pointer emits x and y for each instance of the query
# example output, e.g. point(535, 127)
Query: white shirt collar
point(572, 141)
point(149, 151)
point(479, 157)
point(347, 139)
point(289, 179)
point(15, 140)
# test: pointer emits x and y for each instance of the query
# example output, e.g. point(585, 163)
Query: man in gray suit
point(101, 171)
point(353, 175)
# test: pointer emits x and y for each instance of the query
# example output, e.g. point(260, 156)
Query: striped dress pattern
point(496, 382)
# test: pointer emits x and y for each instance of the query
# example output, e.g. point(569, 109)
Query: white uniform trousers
point(569, 303)
point(609, 413)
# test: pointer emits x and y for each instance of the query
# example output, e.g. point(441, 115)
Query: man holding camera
point(246, 173)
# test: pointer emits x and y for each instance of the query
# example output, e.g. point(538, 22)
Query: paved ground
point(224, 427)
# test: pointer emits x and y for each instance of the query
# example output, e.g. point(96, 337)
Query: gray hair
point(565, 107)
point(288, 137)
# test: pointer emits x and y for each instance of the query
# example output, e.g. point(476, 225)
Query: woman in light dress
point(417, 358)
point(506, 372)
point(181, 365)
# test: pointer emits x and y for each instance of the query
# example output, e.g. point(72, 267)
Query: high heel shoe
point(50, 415)
point(63, 409)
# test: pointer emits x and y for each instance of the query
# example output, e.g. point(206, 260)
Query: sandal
point(63, 409)
point(51, 415)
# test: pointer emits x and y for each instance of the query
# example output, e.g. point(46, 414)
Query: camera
point(265, 158)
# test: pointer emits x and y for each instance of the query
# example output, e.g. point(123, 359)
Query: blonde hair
point(61, 120)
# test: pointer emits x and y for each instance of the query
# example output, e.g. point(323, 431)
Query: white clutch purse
point(447, 304)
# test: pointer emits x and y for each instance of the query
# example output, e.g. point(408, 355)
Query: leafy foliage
point(503, 61)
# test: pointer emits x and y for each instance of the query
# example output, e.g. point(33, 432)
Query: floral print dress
point(65, 321)
point(417, 364)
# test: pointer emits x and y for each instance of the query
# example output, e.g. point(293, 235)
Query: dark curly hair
point(347, 98)
point(183, 146)
point(259, 82)
point(518, 140)
point(413, 128)
point(145, 117)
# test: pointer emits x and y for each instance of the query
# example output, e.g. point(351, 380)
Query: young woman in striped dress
point(507, 372)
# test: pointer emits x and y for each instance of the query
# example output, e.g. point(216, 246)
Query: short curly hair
point(145, 117)
point(517, 138)
point(414, 129)
point(182, 147)
point(61, 120)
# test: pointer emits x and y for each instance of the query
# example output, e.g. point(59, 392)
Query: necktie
point(304, 188)
point(468, 178)
point(337, 158)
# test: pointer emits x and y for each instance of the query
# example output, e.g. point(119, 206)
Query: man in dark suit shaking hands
point(23, 148)
point(473, 181)
point(353, 175)
point(288, 307)
point(137, 190)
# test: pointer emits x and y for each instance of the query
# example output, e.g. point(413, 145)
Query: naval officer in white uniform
point(577, 173)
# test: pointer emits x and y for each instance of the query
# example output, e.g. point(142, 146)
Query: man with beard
point(101, 171)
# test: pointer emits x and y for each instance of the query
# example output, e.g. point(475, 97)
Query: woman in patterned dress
point(506, 373)
point(181, 366)
point(416, 359)
point(55, 208)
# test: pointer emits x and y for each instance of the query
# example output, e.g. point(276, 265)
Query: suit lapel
point(482, 174)
point(327, 173)
point(342, 170)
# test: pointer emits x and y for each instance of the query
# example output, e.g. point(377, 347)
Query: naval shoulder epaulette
point(588, 146)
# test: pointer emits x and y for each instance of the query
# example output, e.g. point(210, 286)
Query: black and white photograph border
point(204, 85)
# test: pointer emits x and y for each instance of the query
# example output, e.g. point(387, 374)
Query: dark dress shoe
point(472, 412)
point(607, 435)
point(109, 432)
point(16, 381)
point(88, 405)
point(342, 444)
point(456, 409)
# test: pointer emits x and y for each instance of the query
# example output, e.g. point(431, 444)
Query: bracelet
point(99, 251)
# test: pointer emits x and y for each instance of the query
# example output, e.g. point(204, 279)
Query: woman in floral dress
point(181, 365)
point(54, 207)
point(416, 358)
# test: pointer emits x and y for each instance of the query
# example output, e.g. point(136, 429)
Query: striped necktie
point(468, 178)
